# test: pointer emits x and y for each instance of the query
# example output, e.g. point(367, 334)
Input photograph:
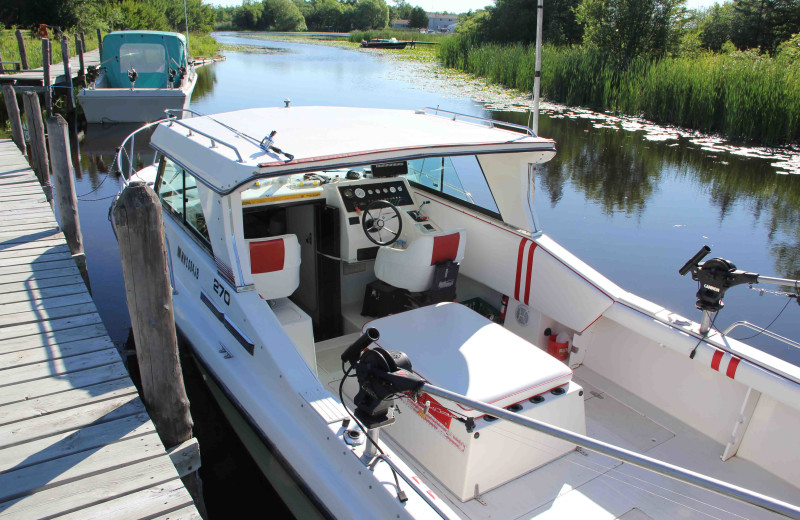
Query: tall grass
point(203, 45)
point(742, 96)
point(9, 48)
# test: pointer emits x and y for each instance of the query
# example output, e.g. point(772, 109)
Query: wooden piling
point(63, 173)
point(48, 95)
point(139, 227)
point(100, 43)
point(41, 166)
point(50, 50)
point(79, 52)
point(12, 109)
point(2, 70)
point(67, 73)
point(23, 54)
point(83, 41)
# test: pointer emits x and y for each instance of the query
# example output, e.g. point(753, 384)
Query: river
point(633, 204)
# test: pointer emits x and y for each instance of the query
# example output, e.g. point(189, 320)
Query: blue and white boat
point(142, 73)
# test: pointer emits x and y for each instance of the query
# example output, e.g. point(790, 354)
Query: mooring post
point(100, 43)
point(79, 52)
point(12, 109)
point(33, 113)
point(83, 41)
point(48, 95)
point(23, 54)
point(2, 70)
point(50, 50)
point(139, 228)
point(63, 173)
point(67, 72)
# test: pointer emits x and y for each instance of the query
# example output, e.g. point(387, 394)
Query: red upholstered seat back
point(445, 247)
point(267, 256)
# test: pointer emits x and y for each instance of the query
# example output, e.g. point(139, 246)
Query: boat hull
point(123, 105)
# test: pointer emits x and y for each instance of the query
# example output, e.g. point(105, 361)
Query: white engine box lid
point(455, 348)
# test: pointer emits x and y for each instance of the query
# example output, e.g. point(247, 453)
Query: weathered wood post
point(100, 43)
point(12, 109)
point(2, 70)
point(63, 173)
point(83, 41)
point(23, 54)
point(79, 53)
point(48, 95)
point(139, 228)
point(67, 72)
point(50, 50)
point(33, 113)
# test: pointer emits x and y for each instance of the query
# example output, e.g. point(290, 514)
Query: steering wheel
point(381, 222)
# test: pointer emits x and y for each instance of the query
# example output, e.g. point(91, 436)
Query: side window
point(456, 177)
point(194, 210)
point(170, 190)
point(178, 193)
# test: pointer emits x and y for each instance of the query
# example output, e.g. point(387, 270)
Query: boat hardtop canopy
point(150, 53)
point(228, 150)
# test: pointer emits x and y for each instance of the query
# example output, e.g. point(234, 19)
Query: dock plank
point(75, 438)
point(30, 356)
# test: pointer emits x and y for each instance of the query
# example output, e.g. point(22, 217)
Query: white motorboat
point(547, 392)
point(142, 74)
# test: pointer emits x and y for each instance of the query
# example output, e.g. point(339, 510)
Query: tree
point(625, 29)
point(371, 14)
point(281, 15)
point(764, 24)
point(247, 16)
point(142, 16)
point(716, 26)
point(201, 17)
point(418, 18)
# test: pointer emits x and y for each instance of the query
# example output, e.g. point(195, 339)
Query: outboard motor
point(132, 75)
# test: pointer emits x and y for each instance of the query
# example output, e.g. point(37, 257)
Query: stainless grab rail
point(213, 140)
point(492, 122)
point(118, 158)
point(655, 465)
point(763, 331)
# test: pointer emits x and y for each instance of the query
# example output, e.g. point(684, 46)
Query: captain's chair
point(413, 268)
point(275, 265)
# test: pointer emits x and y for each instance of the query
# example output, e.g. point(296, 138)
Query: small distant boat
point(392, 43)
point(142, 73)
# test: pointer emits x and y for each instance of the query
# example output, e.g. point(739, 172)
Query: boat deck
point(75, 439)
point(584, 484)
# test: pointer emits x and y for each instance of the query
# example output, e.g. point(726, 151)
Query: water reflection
point(206, 80)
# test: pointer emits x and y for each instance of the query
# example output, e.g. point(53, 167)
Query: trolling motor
point(381, 374)
point(132, 75)
point(716, 276)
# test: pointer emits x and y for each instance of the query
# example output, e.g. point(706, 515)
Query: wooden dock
point(34, 78)
point(75, 439)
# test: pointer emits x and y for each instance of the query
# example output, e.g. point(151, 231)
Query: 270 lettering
point(222, 291)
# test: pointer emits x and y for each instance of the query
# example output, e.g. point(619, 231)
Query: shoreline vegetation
point(741, 96)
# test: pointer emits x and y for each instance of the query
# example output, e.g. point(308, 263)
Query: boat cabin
point(158, 58)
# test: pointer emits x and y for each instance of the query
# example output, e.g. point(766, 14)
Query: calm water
point(635, 210)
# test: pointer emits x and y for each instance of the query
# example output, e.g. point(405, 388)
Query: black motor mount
point(381, 374)
point(715, 276)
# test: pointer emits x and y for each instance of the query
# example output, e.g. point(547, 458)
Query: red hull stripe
point(732, 365)
point(530, 270)
point(266, 256)
point(717, 359)
point(519, 268)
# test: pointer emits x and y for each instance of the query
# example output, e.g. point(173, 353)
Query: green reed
point(9, 48)
point(740, 95)
point(400, 34)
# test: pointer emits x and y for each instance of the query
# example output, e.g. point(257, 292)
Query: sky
point(460, 6)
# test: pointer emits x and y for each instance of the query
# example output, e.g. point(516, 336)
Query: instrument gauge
point(393, 189)
point(360, 193)
point(348, 194)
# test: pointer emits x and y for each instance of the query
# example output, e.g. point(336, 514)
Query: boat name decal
point(222, 292)
point(711, 287)
point(188, 263)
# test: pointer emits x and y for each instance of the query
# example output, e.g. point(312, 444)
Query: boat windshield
point(459, 177)
point(144, 57)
